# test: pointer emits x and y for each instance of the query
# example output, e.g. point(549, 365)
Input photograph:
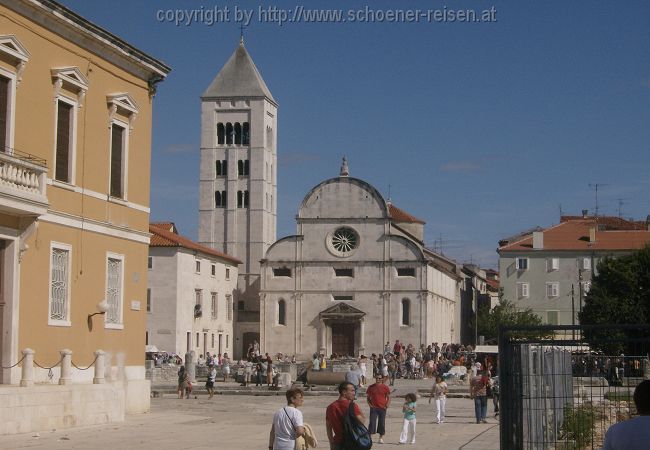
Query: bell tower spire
point(345, 171)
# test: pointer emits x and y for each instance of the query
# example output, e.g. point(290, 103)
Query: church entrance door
point(343, 339)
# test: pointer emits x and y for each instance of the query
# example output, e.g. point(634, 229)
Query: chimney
point(585, 213)
point(592, 234)
point(538, 240)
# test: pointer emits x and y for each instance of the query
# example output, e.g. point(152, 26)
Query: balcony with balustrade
point(22, 184)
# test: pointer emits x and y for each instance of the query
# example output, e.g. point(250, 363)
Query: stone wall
point(48, 407)
point(167, 374)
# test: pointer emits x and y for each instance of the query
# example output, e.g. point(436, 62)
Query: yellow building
point(75, 131)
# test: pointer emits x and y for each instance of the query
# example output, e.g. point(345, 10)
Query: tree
point(505, 314)
point(619, 294)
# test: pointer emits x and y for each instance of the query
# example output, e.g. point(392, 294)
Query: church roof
point(163, 234)
point(239, 78)
point(402, 216)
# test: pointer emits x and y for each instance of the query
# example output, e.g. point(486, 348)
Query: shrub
point(578, 424)
point(624, 396)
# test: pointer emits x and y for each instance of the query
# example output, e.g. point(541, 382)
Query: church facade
point(355, 276)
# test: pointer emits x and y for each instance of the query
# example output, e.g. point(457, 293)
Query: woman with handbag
point(288, 424)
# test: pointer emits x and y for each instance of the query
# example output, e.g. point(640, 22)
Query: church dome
point(343, 197)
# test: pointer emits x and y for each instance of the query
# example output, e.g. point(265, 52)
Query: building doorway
point(248, 338)
point(343, 339)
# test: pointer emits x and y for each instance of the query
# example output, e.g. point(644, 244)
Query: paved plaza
point(243, 422)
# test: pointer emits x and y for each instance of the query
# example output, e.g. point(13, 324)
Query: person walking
point(225, 366)
point(363, 367)
point(184, 385)
point(335, 413)
point(392, 368)
point(269, 370)
point(494, 382)
point(378, 397)
point(353, 376)
point(439, 393)
point(259, 374)
point(408, 429)
point(384, 366)
point(478, 392)
point(633, 434)
point(315, 363)
point(209, 384)
point(288, 423)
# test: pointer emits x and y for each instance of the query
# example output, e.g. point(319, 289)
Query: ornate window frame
point(64, 322)
point(118, 321)
point(15, 54)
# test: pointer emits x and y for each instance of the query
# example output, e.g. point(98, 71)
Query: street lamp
point(580, 290)
point(102, 307)
point(573, 311)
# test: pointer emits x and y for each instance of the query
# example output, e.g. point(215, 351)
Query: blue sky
point(480, 129)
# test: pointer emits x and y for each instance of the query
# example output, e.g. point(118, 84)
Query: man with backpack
point(336, 413)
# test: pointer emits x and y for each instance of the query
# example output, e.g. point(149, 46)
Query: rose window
point(343, 241)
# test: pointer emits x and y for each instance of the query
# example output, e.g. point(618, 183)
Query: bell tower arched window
point(221, 134)
point(221, 168)
point(229, 133)
point(246, 134)
point(237, 133)
point(220, 199)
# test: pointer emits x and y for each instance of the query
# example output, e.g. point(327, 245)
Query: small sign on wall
point(135, 305)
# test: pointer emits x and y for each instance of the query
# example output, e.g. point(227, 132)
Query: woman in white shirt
point(287, 422)
point(439, 393)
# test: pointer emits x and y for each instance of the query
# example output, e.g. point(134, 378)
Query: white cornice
point(95, 226)
point(98, 195)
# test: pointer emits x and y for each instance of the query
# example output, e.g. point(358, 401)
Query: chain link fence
point(563, 386)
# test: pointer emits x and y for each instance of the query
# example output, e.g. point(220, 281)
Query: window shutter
point(117, 134)
point(4, 112)
point(64, 111)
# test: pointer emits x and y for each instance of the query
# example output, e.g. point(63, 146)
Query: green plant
point(578, 424)
point(623, 396)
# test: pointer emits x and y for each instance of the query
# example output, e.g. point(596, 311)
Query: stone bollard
point(646, 369)
point(66, 367)
point(99, 367)
point(27, 378)
point(190, 366)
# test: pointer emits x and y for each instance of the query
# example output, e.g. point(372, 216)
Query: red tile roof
point(400, 215)
point(610, 222)
point(162, 236)
point(574, 235)
point(169, 226)
point(494, 284)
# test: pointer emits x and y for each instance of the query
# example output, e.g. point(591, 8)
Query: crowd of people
point(407, 361)
point(289, 430)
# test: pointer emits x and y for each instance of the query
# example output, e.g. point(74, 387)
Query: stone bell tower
point(238, 184)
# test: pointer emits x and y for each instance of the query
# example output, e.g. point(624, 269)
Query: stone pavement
point(243, 421)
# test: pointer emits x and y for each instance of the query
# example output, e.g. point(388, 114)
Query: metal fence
point(563, 386)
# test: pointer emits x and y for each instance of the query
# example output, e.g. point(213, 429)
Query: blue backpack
point(355, 434)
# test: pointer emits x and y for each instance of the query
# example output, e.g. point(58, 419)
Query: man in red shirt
point(378, 396)
point(335, 413)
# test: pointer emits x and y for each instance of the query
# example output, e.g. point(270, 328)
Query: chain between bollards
point(11, 367)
